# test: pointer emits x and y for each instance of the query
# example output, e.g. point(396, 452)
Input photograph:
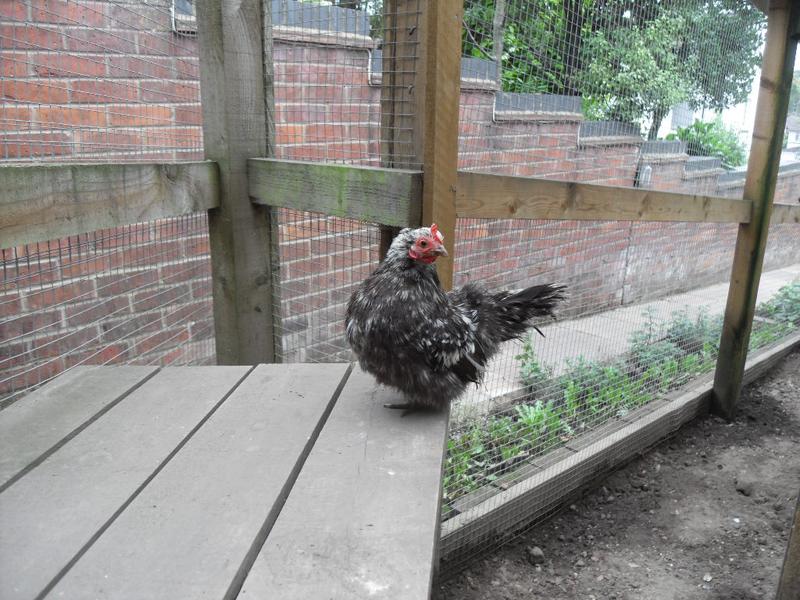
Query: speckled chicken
point(427, 343)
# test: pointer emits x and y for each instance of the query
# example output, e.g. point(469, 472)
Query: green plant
point(533, 374)
point(784, 305)
point(712, 138)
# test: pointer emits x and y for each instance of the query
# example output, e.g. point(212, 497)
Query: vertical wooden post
point(762, 172)
point(789, 583)
point(420, 105)
point(236, 89)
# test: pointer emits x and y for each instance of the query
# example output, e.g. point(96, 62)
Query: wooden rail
point(385, 196)
point(45, 202)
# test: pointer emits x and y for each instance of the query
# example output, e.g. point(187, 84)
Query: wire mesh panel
point(138, 294)
point(87, 80)
point(322, 261)
point(571, 90)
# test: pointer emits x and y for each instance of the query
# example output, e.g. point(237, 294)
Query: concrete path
point(600, 336)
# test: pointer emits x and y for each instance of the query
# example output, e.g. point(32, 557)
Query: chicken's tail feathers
point(517, 309)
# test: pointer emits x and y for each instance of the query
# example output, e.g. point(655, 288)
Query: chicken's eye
point(423, 244)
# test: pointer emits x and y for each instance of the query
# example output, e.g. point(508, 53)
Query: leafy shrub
point(712, 138)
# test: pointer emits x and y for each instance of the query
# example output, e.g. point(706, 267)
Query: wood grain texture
point(383, 196)
point(437, 93)
point(46, 202)
point(759, 189)
point(363, 517)
point(502, 197)
point(36, 423)
point(50, 515)
point(785, 213)
point(237, 95)
point(189, 531)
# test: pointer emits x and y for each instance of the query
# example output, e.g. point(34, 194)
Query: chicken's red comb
point(436, 233)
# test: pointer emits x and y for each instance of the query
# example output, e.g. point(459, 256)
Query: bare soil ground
point(705, 514)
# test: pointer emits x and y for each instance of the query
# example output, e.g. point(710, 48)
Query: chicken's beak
point(440, 250)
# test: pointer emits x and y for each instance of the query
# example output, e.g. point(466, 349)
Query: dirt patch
point(705, 514)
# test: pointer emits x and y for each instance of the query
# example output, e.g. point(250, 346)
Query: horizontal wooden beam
point(784, 213)
point(376, 195)
point(46, 202)
point(503, 197)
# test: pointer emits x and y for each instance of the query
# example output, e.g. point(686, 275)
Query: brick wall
point(90, 80)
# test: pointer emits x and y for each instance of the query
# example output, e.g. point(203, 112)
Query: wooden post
point(789, 583)
point(762, 172)
point(236, 87)
point(420, 106)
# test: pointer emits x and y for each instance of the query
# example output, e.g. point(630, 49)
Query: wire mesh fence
point(138, 294)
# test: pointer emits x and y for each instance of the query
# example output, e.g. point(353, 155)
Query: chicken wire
point(571, 90)
point(139, 294)
point(84, 80)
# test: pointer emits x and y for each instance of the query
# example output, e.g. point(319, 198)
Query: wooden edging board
point(546, 490)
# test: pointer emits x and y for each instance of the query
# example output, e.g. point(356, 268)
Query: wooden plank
point(789, 582)
point(538, 496)
point(236, 84)
point(384, 196)
point(46, 202)
point(486, 196)
point(54, 513)
point(363, 517)
point(190, 530)
point(437, 93)
point(37, 424)
point(784, 213)
point(759, 189)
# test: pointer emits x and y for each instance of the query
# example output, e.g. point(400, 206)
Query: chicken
point(429, 344)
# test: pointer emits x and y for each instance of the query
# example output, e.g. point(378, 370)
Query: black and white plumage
point(430, 344)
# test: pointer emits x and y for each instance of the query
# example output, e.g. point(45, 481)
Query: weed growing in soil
point(661, 356)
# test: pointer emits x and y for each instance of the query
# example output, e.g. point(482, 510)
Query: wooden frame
point(759, 189)
point(236, 79)
point(46, 202)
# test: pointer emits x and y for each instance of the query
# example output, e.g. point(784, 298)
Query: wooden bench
point(273, 482)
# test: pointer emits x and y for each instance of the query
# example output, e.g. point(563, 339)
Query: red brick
point(172, 137)
point(169, 91)
point(188, 313)
point(62, 343)
point(30, 375)
point(13, 10)
point(68, 292)
point(64, 117)
point(97, 310)
point(130, 327)
point(111, 285)
point(69, 12)
point(93, 91)
point(134, 67)
point(79, 39)
point(65, 65)
point(14, 64)
point(162, 340)
point(109, 140)
point(15, 118)
point(185, 271)
point(10, 305)
point(38, 92)
point(188, 115)
point(35, 145)
point(139, 115)
point(28, 324)
point(30, 37)
point(138, 15)
point(99, 355)
point(161, 297)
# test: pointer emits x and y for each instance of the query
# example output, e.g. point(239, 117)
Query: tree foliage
point(631, 60)
point(712, 138)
